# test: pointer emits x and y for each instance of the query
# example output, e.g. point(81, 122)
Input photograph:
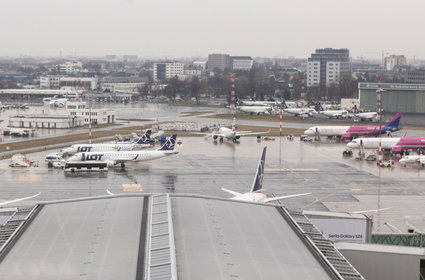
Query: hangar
point(405, 98)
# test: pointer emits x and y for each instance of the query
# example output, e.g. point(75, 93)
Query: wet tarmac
point(202, 167)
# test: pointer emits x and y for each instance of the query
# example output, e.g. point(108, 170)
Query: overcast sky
point(177, 28)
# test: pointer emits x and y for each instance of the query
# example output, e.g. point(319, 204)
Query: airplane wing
point(19, 199)
point(242, 133)
point(231, 192)
point(286, 196)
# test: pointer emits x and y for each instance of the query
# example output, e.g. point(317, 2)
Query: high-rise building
point(167, 70)
point(218, 61)
point(241, 62)
point(394, 60)
point(327, 67)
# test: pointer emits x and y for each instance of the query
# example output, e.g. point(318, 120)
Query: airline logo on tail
point(394, 123)
point(145, 139)
point(169, 145)
point(257, 185)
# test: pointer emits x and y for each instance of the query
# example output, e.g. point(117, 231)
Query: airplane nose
point(352, 145)
point(308, 132)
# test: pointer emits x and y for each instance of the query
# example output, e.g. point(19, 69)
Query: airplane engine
point(215, 137)
point(238, 137)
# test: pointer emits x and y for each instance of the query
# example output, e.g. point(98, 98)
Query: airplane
point(338, 114)
point(264, 110)
point(253, 103)
point(367, 116)
point(17, 200)
point(121, 157)
point(307, 112)
point(349, 132)
point(229, 134)
point(396, 145)
point(142, 142)
point(255, 195)
point(411, 160)
point(56, 102)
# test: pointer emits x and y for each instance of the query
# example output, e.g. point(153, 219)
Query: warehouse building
point(405, 98)
point(46, 121)
point(165, 236)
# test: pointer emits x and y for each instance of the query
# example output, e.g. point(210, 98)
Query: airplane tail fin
point(395, 121)
point(145, 139)
point(257, 185)
point(169, 145)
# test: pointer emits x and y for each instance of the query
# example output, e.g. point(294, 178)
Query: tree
point(195, 88)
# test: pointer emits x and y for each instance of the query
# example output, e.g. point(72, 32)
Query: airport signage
point(342, 230)
point(390, 86)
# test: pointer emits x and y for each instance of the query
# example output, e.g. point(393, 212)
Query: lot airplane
point(255, 195)
point(142, 142)
point(17, 200)
point(349, 132)
point(121, 157)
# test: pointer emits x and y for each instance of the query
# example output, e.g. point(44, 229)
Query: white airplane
point(412, 160)
point(142, 142)
point(307, 112)
point(264, 110)
point(368, 116)
point(56, 102)
point(121, 157)
point(253, 103)
point(255, 195)
point(17, 200)
point(338, 114)
point(373, 143)
point(230, 134)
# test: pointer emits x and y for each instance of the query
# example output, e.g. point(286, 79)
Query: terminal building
point(405, 98)
point(95, 115)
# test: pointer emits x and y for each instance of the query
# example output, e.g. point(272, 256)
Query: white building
point(333, 73)
point(193, 72)
point(241, 62)
point(200, 64)
point(394, 60)
point(97, 116)
point(313, 73)
point(167, 70)
point(46, 121)
point(70, 67)
point(78, 83)
point(50, 81)
point(123, 87)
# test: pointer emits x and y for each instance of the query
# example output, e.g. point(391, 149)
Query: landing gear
point(122, 165)
point(221, 139)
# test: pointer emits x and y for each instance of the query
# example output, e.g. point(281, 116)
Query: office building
point(50, 81)
point(167, 70)
point(394, 60)
point(218, 61)
point(415, 76)
point(327, 67)
point(241, 63)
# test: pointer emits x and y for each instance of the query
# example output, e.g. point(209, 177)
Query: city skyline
point(191, 28)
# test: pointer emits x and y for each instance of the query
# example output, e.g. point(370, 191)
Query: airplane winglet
point(19, 199)
point(109, 192)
